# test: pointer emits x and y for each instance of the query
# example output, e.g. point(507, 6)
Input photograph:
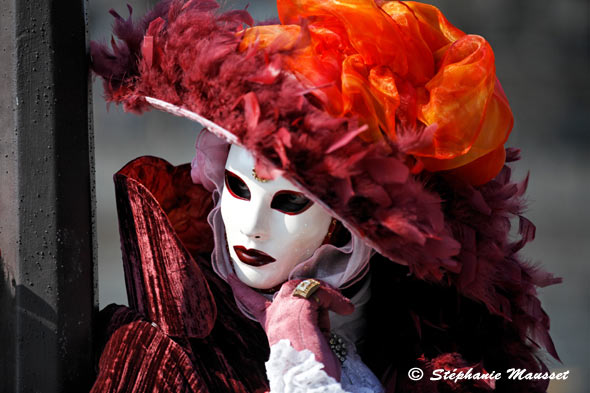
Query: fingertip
point(348, 308)
point(342, 305)
point(335, 301)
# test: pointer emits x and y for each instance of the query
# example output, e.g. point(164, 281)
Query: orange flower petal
point(483, 169)
point(382, 83)
point(459, 95)
point(496, 127)
point(436, 30)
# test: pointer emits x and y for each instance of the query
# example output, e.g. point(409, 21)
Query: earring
point(331, 230)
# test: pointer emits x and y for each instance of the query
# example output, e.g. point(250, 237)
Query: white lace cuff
point(291, 371)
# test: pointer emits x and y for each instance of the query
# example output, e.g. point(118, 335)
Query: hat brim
point(227, 136)
point(206, 123)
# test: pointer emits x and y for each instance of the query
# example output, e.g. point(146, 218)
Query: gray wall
point(543, 61)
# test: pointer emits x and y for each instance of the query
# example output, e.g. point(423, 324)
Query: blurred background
point(543, 61)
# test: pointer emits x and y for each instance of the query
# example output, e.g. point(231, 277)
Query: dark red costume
point(458, 296)
point(184, 332)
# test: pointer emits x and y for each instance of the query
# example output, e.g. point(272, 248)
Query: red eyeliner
point(227, 186)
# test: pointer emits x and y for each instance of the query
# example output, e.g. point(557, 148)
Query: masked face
point(270, 226)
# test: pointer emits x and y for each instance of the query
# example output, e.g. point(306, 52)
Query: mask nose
point(255, 221)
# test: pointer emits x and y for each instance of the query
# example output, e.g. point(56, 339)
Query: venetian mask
point(270, 225)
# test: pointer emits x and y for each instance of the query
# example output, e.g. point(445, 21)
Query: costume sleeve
point(139, 357)
point(292, 371)
point(156, 203)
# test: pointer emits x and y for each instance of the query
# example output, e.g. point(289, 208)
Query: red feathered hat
point(384, 113)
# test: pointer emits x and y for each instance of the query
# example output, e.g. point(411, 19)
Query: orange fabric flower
point(403, 69)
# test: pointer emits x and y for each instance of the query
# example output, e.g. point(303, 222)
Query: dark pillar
point(47, 243)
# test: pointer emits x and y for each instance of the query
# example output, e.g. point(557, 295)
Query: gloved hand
point(304, 322)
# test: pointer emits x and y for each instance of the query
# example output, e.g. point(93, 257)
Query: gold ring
point(306, 288)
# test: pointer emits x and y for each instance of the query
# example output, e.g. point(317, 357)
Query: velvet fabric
point(164, 283)
point(140, 357)
point(183, 331)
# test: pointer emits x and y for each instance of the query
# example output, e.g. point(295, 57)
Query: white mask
point(270, 226)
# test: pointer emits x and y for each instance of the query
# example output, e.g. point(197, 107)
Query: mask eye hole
point(290, 202)
point(236, 186)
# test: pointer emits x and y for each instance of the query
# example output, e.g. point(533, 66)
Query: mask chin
point(259, 278)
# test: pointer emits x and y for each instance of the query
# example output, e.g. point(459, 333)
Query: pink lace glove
point(303, 321)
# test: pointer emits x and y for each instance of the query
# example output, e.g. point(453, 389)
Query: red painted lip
point(253, 257)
